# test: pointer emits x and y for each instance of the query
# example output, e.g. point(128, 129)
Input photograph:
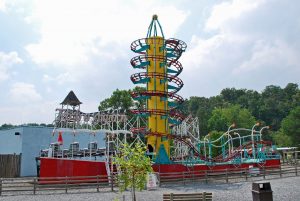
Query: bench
point(187, 196)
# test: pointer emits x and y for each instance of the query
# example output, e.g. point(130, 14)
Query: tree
point(6, 126)
point(277, 103)
point(140, 103)
point(231, 95)
point(104, 105)
point(120, 99)
point(218, 121)
point(134, 166)
point(200, 107)
point(215, 151)
point(281, 139)
point(290, 126)
point(222, 118)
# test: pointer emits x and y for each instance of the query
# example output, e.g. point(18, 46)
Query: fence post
point(204, 196)
point(0, 186)
point(171, 197)
point(98, 183)
point(246, 173)
point(296, 170)
point(280, 171)
point(226, 175)
point(34, 186)
point(206, 176)
point(264, 169)
point(159, 180)
point(112, 182)
point(66, 184)
point(241, 171)
point(193, 176)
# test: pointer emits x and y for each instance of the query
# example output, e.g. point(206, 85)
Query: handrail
point(34, 184)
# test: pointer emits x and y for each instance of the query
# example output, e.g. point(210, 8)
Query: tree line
point(10, 126)
point(276, 107)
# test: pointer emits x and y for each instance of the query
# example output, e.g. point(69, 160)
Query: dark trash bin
point(261, 191)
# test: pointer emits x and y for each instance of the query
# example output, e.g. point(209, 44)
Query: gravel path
point(287, 189)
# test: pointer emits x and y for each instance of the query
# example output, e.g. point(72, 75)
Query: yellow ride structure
point(159, 57)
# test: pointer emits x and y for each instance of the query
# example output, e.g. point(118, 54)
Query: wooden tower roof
point(71, 99)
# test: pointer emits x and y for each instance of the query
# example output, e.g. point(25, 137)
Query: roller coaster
point(173, 140)
point(159, 58)
point(168, 139)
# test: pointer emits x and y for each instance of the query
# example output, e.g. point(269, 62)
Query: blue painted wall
point(32, 139)
point(9, 142)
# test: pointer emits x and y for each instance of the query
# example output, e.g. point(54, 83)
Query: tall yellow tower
point(156, 104)
point(159, 58)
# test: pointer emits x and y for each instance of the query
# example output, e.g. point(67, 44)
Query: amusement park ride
point(173, 141)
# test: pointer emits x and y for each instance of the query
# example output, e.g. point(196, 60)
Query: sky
point(49, 47)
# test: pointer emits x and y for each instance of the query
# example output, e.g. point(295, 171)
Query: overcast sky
point(49, 47)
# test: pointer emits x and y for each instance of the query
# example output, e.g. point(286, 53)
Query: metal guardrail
point(34, 185)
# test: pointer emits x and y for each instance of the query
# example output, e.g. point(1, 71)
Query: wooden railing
point(34, 185)
point(226, 175)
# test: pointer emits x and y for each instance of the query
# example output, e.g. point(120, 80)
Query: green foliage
point(121, 99)
point(139, 104)
point(218, 121)
point(6, 126)
point(134, 166)
point(9, 126)
point(222, 118)
point(281, 139)
point(290, 126)
point(104, 105)
point(213, 135)
point(277, 103)
point(270, 106)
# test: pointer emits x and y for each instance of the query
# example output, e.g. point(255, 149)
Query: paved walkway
point(287, 189)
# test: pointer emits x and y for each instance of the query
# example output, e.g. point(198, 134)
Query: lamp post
point(230, 145)
point(252, 138)
point(228, 131)
point(260, 132)
point(235, 133)
point(204, 143)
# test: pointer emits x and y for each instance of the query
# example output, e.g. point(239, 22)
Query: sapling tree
point(133, 165)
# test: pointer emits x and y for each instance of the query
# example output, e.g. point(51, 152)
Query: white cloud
point(43, 112)
point(84, 46)
point(6, 62)
point(197, 55)
point(21, 92)
point(3, 5)
point(226, 11)
point(69, 28)
point(47, 78)
point(252, 44)
point(264, 55)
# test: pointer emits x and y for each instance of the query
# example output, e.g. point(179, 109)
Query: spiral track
point(160, 68)
point(174, 48)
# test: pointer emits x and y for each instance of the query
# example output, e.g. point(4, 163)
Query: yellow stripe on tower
point(157, 123)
